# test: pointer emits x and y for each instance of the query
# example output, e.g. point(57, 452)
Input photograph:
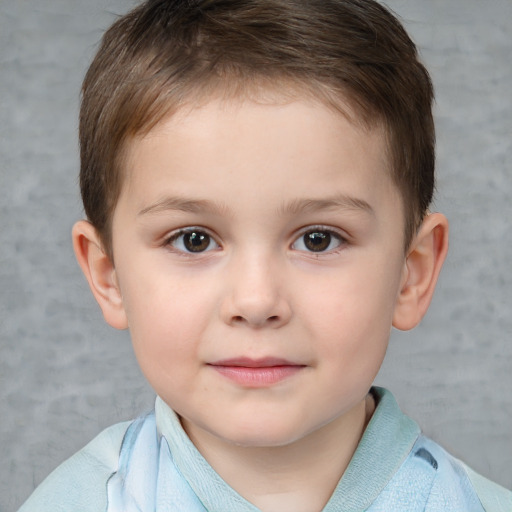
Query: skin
point(258, 181)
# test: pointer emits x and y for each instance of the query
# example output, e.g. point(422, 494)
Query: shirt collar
point(385, 444)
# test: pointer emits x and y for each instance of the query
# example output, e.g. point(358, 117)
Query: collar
point(386, 443)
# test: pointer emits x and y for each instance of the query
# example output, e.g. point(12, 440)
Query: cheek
point(166, 339)
point(165, 317)
point(352, 313)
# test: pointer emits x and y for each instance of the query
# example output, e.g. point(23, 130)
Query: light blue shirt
point(150, 464)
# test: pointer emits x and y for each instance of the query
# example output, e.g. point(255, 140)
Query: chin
point(262, 435)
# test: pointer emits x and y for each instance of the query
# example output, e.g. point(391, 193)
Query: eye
point(192, 241)
point(318, 240)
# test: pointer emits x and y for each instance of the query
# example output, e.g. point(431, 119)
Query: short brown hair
point(167, 52)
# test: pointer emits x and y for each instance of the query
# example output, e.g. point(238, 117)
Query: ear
point(100, 273)
point(421, 270)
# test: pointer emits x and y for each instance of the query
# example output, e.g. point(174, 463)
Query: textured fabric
point(151, 464)
point(79, 484)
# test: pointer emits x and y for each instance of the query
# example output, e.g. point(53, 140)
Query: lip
point(256, 373)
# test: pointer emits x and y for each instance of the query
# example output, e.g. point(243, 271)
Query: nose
point(255, 294)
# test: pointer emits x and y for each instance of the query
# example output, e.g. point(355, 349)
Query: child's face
point(259, 255)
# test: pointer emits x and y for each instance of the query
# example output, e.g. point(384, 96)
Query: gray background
point(65, 375)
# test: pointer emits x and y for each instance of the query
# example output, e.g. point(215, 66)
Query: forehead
point(229, 99)
point(297, 147)
point(260, 89)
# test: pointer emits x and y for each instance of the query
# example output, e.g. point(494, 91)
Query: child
point(256, 177)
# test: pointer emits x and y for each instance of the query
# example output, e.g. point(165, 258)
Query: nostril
point(241, 319)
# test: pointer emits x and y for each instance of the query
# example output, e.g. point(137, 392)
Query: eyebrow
point(184, 205)
point(294, 207)
point(338, 202)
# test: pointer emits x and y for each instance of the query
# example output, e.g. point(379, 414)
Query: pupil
point(317, 241)
point(196, 242)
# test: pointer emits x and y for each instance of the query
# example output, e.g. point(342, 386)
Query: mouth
point(256, 373)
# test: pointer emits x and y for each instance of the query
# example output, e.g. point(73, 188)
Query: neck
point(300, 476)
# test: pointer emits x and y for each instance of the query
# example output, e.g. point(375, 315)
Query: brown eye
point(196, 241)
point(192, 241)
point(317, 241)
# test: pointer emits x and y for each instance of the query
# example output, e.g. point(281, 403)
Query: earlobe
point(99, 272)
point(421, 270)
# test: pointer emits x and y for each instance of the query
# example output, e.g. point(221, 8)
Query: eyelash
point(175, 236)
point(329, 235)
